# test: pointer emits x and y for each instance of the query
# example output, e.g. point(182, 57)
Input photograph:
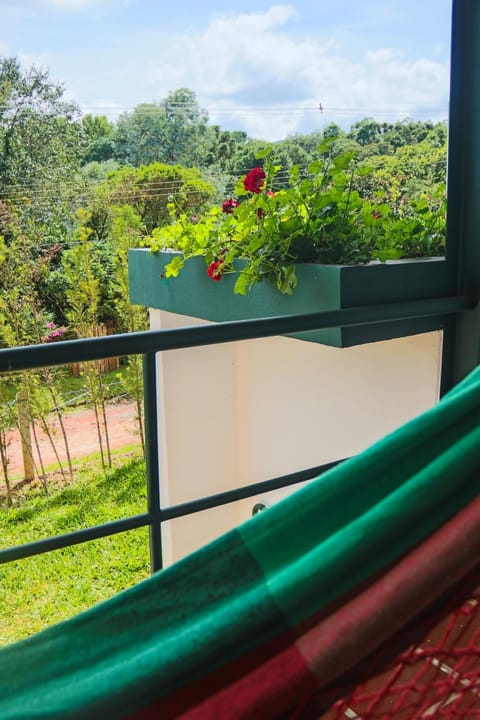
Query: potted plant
point(309, 244)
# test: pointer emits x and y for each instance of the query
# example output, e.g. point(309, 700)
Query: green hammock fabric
point(242, 627)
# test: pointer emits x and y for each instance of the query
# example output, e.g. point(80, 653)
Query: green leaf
point(326, 146)
point(260, 154)
point(341, 162)
point(315, 167)
point(287, 280)
point(239, 188)
point(173, 268)
point(242, 284)
point(388, 254)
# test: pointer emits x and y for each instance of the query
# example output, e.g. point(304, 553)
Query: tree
point(365, 131)
point(172, 131)
point(149, 190)
point(99, 135)
point(41, 142)
point(332, 131)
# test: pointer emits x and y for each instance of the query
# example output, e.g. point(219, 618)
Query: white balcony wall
point(244, 412)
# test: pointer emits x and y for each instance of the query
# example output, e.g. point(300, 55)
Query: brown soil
point(82, 437)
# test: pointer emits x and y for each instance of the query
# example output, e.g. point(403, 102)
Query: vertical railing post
point(152, 459)
point(462, 335)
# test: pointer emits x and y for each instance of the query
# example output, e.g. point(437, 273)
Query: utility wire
point(319, 108)
point(169, 186)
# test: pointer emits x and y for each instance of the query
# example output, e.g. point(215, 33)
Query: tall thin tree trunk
point(93, 393)
point(4, 459)
point(42, 475)
point(62, 425)
point(139, 419)
point(48, 433)
point(104, 413)
point(138, 399)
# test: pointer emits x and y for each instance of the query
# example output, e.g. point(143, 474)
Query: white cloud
point(245, 61)
point(257, 71)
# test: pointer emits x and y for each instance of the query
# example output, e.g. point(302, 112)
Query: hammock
point(355, 597)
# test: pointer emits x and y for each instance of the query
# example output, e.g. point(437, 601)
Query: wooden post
point(24, 427)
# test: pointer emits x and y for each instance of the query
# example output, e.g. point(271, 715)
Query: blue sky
point(264, 67)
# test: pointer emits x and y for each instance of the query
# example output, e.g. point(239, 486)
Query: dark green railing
point(151, 342)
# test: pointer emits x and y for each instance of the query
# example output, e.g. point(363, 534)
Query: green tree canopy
point(41, 142)
point(172, 131)
point(99, 134)
point(149, 190)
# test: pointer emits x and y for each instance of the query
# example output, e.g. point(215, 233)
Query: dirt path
point(82, 436)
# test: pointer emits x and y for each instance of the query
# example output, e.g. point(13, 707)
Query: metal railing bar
point(19, 552)
point(211, 501)
point(152, 459)
point(29, 357)
point(148, 343)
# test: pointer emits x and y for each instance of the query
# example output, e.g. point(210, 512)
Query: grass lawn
point(74, 390)
point(45, 589)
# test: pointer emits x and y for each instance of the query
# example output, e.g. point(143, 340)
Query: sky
point(270, 68)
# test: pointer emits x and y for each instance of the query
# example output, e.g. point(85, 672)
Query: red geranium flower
point(214, 270)
point(254, 180)
point(229, 206)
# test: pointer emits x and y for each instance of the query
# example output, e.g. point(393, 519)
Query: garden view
point(77, 191)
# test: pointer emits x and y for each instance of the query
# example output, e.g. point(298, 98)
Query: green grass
point(39, 591)
point(70, 387)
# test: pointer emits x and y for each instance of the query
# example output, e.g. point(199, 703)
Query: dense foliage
point(77, 191)
point(334, 211)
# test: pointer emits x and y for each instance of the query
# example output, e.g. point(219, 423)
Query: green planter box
point(320, 287)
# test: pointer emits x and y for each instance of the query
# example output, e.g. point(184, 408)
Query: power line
point(156, 189)
point(16, 189)
point(316, 108)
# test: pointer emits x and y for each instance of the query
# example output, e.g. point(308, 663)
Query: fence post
point(23, 412)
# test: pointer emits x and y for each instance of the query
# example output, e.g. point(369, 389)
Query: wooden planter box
point(320, 287)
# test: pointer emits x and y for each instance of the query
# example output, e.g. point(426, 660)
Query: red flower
point(376, 215)
point(254, 180)
point(270, 193)
point(214, 270)
point(229, 206)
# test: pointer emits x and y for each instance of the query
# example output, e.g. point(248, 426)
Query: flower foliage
point(319, 215)
point(53, 332)
point(214, 270)
point(229, 206)
point(254, 181)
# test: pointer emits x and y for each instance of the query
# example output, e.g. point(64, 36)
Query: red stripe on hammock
point(258, 685)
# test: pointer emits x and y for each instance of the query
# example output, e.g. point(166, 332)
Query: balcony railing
point(151, 342)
